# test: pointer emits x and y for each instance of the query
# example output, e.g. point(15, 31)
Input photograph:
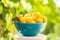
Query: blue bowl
point(29, 29)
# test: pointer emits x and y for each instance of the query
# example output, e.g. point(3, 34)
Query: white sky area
point(56, 1)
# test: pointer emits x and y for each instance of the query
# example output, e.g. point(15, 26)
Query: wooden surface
point(39, 37)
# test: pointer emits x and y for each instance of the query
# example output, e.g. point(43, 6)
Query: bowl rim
point(30, 23)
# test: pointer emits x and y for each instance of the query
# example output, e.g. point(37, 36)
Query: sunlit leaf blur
point(12, 8)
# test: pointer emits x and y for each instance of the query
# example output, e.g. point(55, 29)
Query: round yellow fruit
point(37, 14)
point(39, 20)
point(34, 17)
point(28, 19)
point(22, 20)
point(44, 19)
point(27, 15)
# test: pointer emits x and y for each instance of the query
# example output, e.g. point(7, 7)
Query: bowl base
point(38, 37)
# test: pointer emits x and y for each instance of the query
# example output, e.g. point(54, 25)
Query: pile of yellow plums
point(35, 17)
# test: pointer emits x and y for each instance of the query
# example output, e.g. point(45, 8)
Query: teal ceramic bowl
point(29, 29)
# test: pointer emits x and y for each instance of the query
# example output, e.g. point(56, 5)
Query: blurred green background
point(12, 8)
